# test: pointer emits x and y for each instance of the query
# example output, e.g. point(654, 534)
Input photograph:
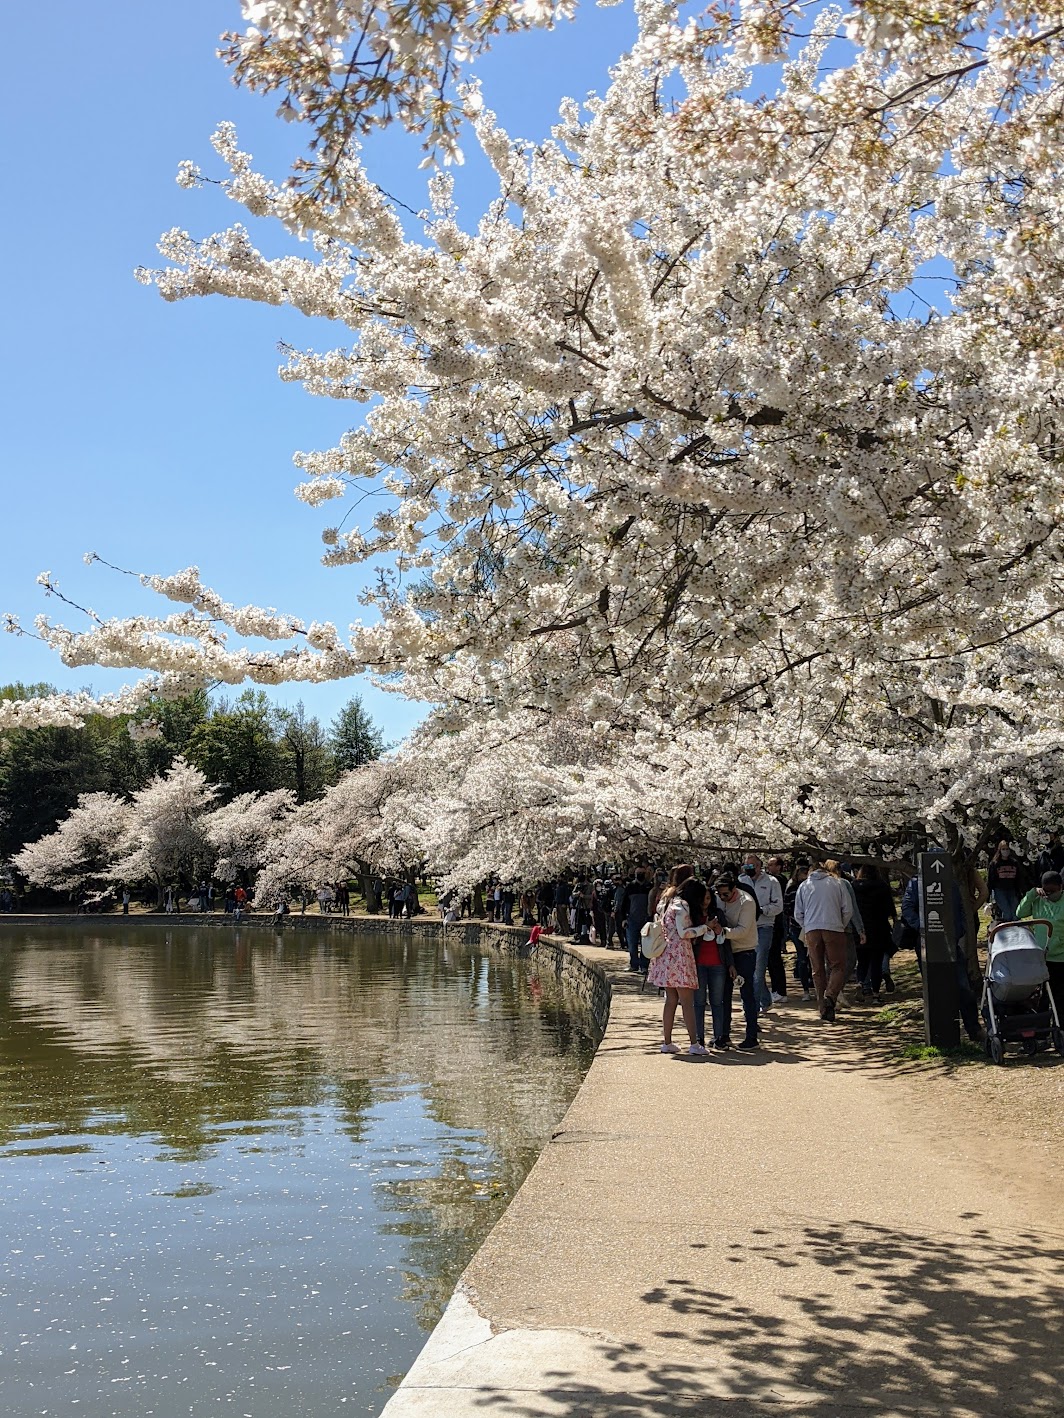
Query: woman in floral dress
point(674, 969)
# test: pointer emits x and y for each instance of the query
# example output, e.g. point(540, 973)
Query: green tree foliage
point(246, 745)
point(354, 738)
point(237, 747)
point(305, 753)
point(42, 771)
point(178, 720)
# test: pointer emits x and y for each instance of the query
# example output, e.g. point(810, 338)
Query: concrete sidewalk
point(782, 1230)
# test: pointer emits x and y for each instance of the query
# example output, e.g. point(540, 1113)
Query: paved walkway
point(786, 1231)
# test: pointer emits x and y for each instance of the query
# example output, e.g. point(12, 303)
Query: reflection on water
point(244, 1172)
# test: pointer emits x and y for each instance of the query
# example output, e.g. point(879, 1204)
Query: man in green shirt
point(1047, 901)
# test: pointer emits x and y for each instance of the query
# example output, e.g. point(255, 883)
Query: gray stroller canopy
point(1016, 964)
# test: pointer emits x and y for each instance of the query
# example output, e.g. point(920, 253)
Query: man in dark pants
point(777, 970)
point(635, 911)
point(737, 910)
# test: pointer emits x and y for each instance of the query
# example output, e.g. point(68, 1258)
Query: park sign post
point(937, 928)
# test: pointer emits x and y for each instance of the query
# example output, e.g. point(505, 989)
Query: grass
point(897, 1029)
point(929, 1053)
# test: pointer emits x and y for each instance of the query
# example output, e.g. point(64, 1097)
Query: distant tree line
point(242, 745)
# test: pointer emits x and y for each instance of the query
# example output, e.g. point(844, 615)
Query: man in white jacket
point(823, 909)
point(770, 898)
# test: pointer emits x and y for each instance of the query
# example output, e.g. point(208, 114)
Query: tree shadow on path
point(852, 1316)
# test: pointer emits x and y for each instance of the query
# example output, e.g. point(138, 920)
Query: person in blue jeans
point(1007, 879)
point(769, 896)
point(635, 913)
point(716, 971)
point(737, 910)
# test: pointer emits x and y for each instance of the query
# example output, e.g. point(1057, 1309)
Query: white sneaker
point(698, 1049)
point(670, 1048)
point(807, 994)
point(778, 999)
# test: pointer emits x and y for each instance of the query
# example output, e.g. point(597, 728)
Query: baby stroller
point(1018, 1004)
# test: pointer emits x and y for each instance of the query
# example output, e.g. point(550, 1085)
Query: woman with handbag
point(673, 969)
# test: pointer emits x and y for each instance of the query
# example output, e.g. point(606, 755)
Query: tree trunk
point(973, 893)
point(414, 901)
point(370, 894)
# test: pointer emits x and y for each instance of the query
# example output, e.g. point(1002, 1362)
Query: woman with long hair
point(674, 969)
point(716, 974)
point(1007, 880)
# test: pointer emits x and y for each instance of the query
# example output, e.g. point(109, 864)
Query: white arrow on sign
point(936, 866)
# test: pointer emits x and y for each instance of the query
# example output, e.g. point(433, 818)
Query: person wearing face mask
point(1048, 900)
point(770, 900)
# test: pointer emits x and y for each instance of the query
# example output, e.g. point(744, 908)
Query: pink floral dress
point(674, 968)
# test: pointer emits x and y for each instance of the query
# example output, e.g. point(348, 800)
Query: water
point(239, 1173)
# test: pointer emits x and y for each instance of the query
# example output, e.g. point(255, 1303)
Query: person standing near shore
point(674, 969)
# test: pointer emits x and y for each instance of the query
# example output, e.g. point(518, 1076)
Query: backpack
point(652, 938)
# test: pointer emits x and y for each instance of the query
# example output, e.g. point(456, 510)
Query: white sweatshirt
point(822, 903)
point(770, 898)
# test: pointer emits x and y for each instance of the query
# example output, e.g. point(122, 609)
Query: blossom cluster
point(687, 440)
point(347, 66)
point(171, 828)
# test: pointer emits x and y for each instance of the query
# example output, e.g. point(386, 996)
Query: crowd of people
point(732, 927)
point(333, 898)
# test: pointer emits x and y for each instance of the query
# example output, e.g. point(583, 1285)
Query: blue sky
point(159, 435)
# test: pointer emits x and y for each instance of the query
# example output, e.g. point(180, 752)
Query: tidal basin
point(241, 1173)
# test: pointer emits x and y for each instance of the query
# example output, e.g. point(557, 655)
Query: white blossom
point(669, 439)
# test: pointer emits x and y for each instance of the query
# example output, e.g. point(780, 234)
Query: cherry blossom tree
point(240, 832)
point(345, 67)
point(82, 848)
point(169, 830)
point(730, 426)
point(707, 418)
point(375, 819)
point(166, 837)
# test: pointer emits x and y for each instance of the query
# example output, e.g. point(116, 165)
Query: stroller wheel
point(1030, 1046)
point(996, 1049)
point(1058, 1039)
